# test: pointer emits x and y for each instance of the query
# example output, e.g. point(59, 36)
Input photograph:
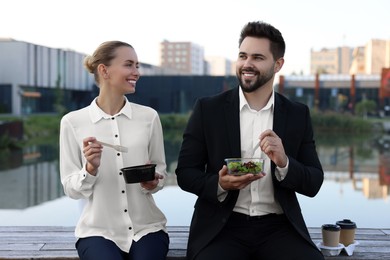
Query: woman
point(119, 220)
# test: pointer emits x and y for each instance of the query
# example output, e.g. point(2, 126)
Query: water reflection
point(358, 165)
point(363, 161)
point(31, 177)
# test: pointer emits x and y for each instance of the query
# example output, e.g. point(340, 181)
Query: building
point(39, 79)
point(331, 61)
point(186, 58)
point(149, 69)
point(334, 92)
point(218, 66)
point(368, 59)
point(177, 94)
point(371, 58)
point(233, 68)
point(357, 66)
point(376, 56)
point(31, 77)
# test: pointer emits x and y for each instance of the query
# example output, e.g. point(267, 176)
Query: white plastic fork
point(255, 148)
point(118, 148)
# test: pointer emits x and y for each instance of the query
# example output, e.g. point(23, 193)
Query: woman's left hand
point(150, 185)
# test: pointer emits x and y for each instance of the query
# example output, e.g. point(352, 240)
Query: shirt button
point(112, 118)
point(116, 135)
point(130, 228)
point(118, 154)
point(125, 210)
point(123, 191)
point(120, 173)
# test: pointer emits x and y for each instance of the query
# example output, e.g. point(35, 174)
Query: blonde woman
point(119, 220)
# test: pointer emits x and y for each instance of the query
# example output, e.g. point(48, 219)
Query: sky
point(81, 25)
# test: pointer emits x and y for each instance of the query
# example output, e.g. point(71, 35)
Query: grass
point(41, 128)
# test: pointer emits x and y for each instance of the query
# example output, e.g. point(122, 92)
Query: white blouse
point(114, 210)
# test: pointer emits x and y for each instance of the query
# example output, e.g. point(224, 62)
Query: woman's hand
point(92, 153)
point(150, 185)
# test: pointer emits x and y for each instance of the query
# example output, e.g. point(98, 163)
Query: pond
point(356, 186)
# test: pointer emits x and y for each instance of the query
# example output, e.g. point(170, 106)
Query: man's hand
point(272, 146)
point(232, 182)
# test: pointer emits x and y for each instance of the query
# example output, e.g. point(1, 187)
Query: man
point(250, 216)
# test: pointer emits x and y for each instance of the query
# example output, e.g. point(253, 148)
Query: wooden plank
point(58, 246)
point(386, 231)
point(46, 243)
point(20, 247)
point(36, 255)
point(37, 228)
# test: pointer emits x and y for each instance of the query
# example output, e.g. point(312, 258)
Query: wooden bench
point(54, 242)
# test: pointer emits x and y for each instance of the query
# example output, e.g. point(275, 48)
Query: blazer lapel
point(232, 120)
point(279, 123)
point(279, 117)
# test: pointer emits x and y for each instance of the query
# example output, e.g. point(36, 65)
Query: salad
point(239, 167)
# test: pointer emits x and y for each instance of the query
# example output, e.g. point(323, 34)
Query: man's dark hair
point(265, 30)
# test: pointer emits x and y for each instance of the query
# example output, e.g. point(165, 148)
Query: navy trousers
point(153, 246)
point(269, 237)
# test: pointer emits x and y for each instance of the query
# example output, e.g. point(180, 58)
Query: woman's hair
point(102, 55)
point(264, 30)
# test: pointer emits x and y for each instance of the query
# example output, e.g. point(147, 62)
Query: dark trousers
point(270, 237)
point(153, 246)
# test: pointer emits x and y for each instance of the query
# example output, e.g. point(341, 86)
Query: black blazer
point(213, 134)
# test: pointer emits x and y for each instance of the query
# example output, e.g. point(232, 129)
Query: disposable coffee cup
point(347, 232)
point(331, 235)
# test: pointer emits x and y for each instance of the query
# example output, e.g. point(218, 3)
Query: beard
point(261, 79)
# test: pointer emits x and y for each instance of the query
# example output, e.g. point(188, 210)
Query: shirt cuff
point(87, 177)
point(221, 193)
point(281, 173)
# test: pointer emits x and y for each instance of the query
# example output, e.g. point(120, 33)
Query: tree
point(364, 107)
point(59, 94)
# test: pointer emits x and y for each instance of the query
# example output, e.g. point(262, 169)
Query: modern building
point(368, 59)
point(186, 58)
point(357, 66)
point(31, 77)
point(39, 79)
point(371, 58)
point(331, 61)
point(146, 69)
point(376, 56)
point(34, 78)
point(334, 92)
point(177, 94)
point(233, 68)
point(219, 66)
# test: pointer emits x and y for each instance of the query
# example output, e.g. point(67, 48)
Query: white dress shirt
point(258, 197)
point(114, 210)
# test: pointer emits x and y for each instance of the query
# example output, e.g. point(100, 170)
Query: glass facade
point(5, 99)
point(177, 94)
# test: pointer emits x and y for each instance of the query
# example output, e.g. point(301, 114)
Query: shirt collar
point(96, 113)
point(244, 102)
